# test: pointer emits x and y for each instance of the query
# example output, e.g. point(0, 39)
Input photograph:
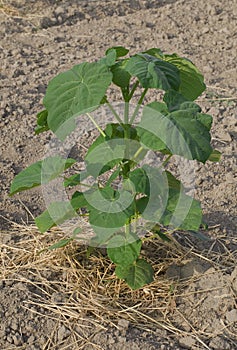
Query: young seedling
point(133, 198)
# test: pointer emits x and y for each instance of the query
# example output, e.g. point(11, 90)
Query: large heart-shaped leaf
point(153, 72)
point(102, 235)
point(183, 132)
point(182, 211)
point(124, 250)
point(108, 208)
point(176, 101)
point(56, 214)
point(136, 275)
point(75, 92)
point(191, 80)
point(39, 173)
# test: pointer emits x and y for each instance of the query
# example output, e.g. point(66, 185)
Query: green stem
point(137, 153)
point(114, 112)
point(133, 90)
point(126, 115)
point(78, 183)
point(114, 175)
point(167, 160)
point(96, 125)
point(127, 229)
point(138, 105)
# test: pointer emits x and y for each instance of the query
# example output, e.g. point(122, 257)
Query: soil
point(38, 40)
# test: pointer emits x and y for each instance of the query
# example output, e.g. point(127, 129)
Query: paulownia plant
point(172, 126)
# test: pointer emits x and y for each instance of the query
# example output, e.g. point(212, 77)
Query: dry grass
point(94, 297)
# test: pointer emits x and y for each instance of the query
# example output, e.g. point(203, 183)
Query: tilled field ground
point(38, 40)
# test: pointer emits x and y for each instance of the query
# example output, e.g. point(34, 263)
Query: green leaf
point(114, 131)
point(150, 140)
point(153, 72)
point(39, 173)
point(140, 181)
point(102, 235)
point(121, 77)
point(75, 92)
point(183, 132)
point(173, 182)
point(141, 204)
point(124, 250)
point(160, 106)
point(143, 186)
point(158, 194)
point(136, 275)
point(56, 214)
point(194, 135)
point(177, 215)
point(120, 51)
point(192, 81)
point(155, 52)
point(205, 119)
point(110, 220)
point(193, 218)
point(109, 208)
point(174, 100)
point(110, 58)
point(79, 200)
point(42, 124)
point(76, 231)
point(107, 152)
point(215, 156)
point(60, 244)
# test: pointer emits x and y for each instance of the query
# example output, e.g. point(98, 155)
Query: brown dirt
point(46, 303)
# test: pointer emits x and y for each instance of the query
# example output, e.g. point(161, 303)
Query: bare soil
point(45, 303)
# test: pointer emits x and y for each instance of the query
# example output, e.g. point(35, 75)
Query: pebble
point(224, 136)
point(123, 324)
point(14, 325)
point(63, 333)
point(188, 342)
point(31, 339)
point(17, 339)
point(59, 10)
point(231, 316)
point(218, 343)
point(9, 339)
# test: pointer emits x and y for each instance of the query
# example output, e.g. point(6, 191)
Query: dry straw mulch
point(93, 294)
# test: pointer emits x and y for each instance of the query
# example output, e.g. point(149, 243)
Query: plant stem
point(167, 160)
point(126, 114)
point(137, 153)
point(96, 125)
point(133, 90)
point(114, 175)
point(138, 105)
point(114, 112)
point(127, 229)
point(78, 183)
